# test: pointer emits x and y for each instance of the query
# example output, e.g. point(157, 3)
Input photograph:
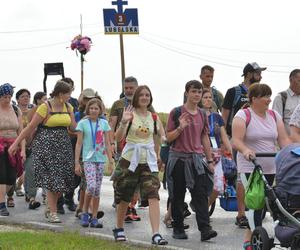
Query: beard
point(253, 80)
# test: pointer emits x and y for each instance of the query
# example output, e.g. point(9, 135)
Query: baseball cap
point(89, 93)
point(252, 67)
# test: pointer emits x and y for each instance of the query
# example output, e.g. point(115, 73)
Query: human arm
point(126, 118)
point(295, 125)
point(184, 121)
point(225, 115)
point(225, 140)
point(78, 152)
point(108, 151)
point(36, 120)
point(283, 138)
point(23, 142)
point(277, 105)
point(207, 151)
point(157, 143)
point(112, 123)
point(238, 135)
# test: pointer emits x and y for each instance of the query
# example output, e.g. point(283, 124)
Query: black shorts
point(8, 173)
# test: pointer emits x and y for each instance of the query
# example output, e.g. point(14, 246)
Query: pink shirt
point(261, 136)
point(189, 141)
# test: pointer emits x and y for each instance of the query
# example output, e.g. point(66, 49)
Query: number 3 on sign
point(120, 19)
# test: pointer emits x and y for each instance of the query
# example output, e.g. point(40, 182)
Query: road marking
point(137, 242)
point(43, 224)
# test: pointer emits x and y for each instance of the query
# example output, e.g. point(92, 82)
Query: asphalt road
point(229, 235)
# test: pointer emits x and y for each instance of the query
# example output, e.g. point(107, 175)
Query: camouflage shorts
point(126, 182)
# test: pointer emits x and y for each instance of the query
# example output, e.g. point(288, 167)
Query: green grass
point(43, 240)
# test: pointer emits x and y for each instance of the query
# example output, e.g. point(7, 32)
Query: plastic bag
point(219, 178)
point(229, 168)
point(255, 191)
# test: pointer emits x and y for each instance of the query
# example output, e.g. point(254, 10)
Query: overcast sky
point(176, 39)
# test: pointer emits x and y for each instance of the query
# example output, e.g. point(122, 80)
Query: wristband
point(210, 161)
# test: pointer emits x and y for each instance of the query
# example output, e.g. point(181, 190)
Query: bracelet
point(210, 161)
point(179, 129)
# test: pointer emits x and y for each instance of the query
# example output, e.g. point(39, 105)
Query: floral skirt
point(53, 159)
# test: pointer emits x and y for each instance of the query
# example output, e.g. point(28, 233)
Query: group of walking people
point(65, 143)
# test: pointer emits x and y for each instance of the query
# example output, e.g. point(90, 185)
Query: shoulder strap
point(237, 95)
point(283, 99)
point(176, 115)
point(16, 110)
point(248, 116)
point(216, 98)
point(203, 115)
point(49, 110)
point(154, 117)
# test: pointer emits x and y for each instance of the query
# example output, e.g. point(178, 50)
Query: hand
point(78, 171)
point(13, 149)
point(110, 167)
point(211, 167)
point(184, 120)
point(248, 153)
point(113, 149)
point(23, 155)
point(127, 114)
point(161, 165)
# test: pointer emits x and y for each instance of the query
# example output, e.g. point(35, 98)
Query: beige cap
point(88, 93)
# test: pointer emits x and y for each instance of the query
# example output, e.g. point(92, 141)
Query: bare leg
point(154, 214)
point(95, 201)
point(240, 195)
point(2, 192)
point(121, 212)
point(87, 201)
point(52, 198)
point(213, 197)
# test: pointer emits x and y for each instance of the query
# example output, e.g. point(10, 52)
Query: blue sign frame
point(120, 21)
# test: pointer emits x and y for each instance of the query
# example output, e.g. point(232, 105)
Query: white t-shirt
point(261, 136)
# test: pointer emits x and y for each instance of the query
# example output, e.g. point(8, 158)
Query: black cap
point(252, 67)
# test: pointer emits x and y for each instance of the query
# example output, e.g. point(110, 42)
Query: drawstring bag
point(255, 191)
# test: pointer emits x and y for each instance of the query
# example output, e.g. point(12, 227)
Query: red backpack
point(248, 115)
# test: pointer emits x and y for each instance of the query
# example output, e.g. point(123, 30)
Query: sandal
point(34, 204)
point(53, 218)
point(119, 234)
point(10, 202)
point(19, 193)
point(157, 239)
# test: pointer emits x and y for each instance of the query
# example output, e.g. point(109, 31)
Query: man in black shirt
point(235, 98)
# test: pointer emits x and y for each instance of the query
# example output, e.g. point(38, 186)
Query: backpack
point(248, 115)
point(216, 97)
point(237, 97)
point(283, 95)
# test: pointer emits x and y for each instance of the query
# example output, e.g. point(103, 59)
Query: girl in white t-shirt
point(254, 130)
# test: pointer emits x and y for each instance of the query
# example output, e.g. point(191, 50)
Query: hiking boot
point(208, 234)
point(134, 215)
point(4, 212)
point(242, 222)
point(95, 223)
point(84, 220)
point(179, 233)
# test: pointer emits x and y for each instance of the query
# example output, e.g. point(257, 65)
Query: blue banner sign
point(120, 21)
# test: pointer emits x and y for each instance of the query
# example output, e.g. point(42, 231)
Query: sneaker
point(84, 220)
point(134, 215)
point(53, 218)
point(208, 234)
point(119, 234)
point(19, 193)
point(247, 245)
point(128, 217)
point(179, 233)
point(95, 223)
point(4, 212)
point(242, 222)
point(157, 239)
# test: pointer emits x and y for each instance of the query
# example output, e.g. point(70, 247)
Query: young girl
point(93, 136)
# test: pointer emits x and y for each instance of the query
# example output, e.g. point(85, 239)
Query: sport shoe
point(71, 205)
point(4, 212)
point(242, 222)
point(208, 234)
point(95, 223)
point(84, 220)
point(134, 215)
point(53, 218)
point(119, 234)
point(157, 239)
point(179, 233)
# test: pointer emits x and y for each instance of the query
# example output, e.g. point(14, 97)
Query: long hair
point(137, 93)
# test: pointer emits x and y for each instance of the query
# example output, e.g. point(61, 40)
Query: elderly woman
point(254, 130)
point(52, 153)
point(10, 126)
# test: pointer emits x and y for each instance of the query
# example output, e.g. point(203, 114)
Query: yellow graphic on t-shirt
point(142, 132)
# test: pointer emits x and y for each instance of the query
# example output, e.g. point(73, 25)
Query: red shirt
point(189, 140)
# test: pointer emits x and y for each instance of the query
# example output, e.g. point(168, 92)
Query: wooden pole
point(122, 60)
point(81, 56)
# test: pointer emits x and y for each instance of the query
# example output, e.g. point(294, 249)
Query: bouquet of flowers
point(82, 44)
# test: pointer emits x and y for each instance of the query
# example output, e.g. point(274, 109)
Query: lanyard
point(211, 125)
point(94, 134)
